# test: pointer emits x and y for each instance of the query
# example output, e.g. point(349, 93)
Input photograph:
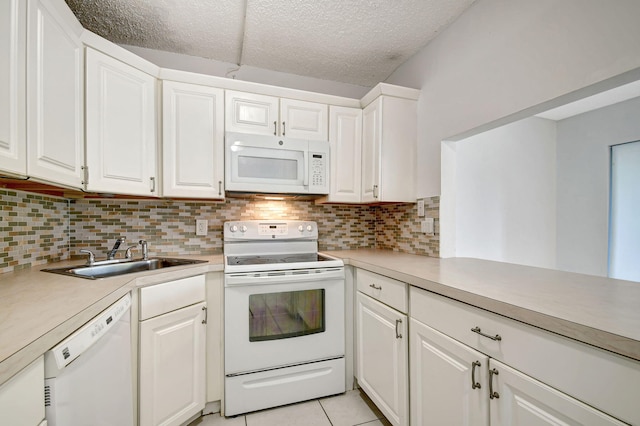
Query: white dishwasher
point(88, 375)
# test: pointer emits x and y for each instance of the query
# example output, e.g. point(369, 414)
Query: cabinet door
point(522, 400)
point(381, 354)
point(251, 113)
point(22, 397)
point(172, 367)
point(303, 120)
point(345, 140)
point(121, 127)
point(55, 96)
point(371, 142)
point(448, 380)
point(13, 35)
point(192, 140)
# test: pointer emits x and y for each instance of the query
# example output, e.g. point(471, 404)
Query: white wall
point(583, 167)
point(246, 73)
point(505, 194)
point(504, 56)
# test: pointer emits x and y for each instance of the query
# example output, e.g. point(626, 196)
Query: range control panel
point(270, 230)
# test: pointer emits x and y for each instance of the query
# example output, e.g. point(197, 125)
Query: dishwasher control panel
point(74, 345)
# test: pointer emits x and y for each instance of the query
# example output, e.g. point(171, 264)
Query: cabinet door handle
point(398, 335)
point(275, 128)
point(492, 393)
point(479, 331)
point(375, 191)
point(474, 384)
point(219, 187)
point(283, 128)
point(375, 287)
point(206, 314)
point(153, 184)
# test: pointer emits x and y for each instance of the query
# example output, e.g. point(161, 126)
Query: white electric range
point(284, 316)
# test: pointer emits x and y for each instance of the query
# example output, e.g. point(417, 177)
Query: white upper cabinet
point(303, 120)
point(13, 35)
point(55, 95)
point(192, 140)
point(268, 115)
point(121, 127)
point(345, 140)
point(389, 139)
point(251, 113)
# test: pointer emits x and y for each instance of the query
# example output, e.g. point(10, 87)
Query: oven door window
point(288, 314)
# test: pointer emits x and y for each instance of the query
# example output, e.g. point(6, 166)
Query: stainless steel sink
point(120, 267)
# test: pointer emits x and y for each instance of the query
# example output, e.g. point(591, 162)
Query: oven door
point(266, 164)
point(279, 318)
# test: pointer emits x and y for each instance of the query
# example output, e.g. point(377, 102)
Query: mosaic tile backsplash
point(34, 230)
point(38, 229)
point(169, 226)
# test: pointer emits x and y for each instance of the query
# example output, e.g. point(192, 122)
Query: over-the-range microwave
point(276, 165)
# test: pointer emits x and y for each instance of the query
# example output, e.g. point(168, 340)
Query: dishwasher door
point(88, 375)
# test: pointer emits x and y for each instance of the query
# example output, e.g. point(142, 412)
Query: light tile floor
point(349, 409)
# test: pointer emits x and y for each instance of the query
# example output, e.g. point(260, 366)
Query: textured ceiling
point(352, 41)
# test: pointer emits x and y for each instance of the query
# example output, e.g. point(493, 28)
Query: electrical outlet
point(426, 226)
point(420, 208)
point(201, 227)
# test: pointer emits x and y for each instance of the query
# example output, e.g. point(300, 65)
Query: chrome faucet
point(145, 249)
point(112, 253)
point(91, 257)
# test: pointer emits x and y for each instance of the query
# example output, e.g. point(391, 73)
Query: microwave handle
point(305, 160)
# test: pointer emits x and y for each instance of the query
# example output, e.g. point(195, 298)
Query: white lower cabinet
point(381, 357)
point(22, 397)
point(470, 383)
point(519, 400)
point(448, 380)
point(172, 377)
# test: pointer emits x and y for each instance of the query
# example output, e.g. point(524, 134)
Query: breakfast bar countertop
point(38, 309)
point(599, 311)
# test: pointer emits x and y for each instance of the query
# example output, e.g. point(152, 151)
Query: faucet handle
point(127, 253)
point(91, 257)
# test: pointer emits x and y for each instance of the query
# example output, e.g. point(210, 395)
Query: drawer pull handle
point(492, 394)
point(206, 314)
point(398, 335)
point(477, 330)
point(474, 384)
point(375, 287)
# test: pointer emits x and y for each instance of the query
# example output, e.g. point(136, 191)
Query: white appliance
point(284, 316)
point(88, 375)
point(271, 164)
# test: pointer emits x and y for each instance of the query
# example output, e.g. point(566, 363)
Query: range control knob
point(309, 228)
point(233, 228)
point(243, 228)
point(300, 228)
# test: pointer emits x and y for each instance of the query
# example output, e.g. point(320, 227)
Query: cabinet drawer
point(166, 297)
point(387, 290)
point(599, 378)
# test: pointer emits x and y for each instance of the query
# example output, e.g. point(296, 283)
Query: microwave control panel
point(318, 170)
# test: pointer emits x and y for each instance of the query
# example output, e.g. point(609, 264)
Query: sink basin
point(120, 267)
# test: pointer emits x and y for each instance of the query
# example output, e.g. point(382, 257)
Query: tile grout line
point(325, 412)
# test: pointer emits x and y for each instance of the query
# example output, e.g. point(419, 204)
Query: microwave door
point(268, 170)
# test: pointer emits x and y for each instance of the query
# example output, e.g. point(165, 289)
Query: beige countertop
point(599, 311)
point(38, 309)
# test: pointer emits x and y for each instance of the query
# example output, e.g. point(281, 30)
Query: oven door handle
point(263, 278)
